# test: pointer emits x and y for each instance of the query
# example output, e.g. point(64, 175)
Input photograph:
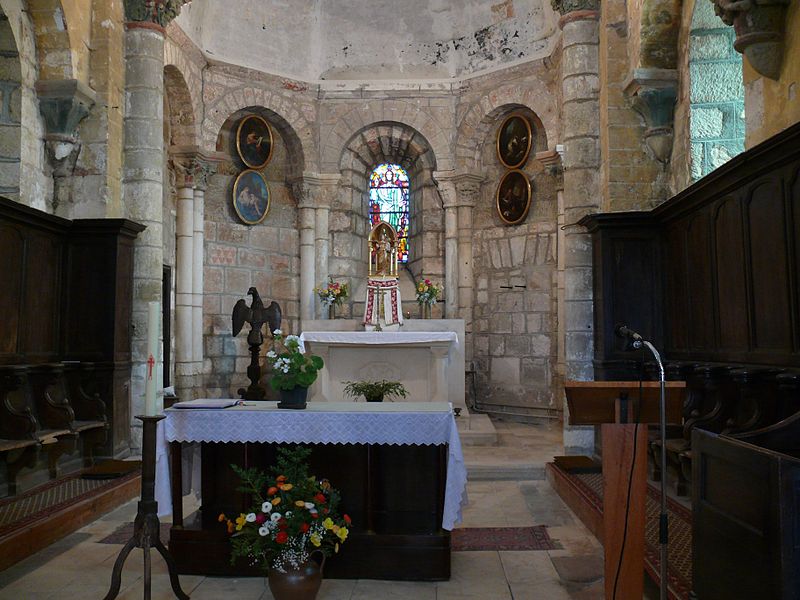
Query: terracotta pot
point(300, 584)
point(294, 398)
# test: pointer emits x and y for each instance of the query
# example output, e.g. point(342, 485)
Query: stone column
point(203, 169)
point(468, 188)
point(582, 192)
point(447, 190)
point(184, 272)
point(314, 193)
point(143, 175)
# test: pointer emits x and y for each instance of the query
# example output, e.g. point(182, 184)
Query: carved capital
point(653, 93)
point(315, 190)
point(64, 103)
point(760, 29)
point(458, 189)
point(191, 167)
point(157, 12)
point(551, 161)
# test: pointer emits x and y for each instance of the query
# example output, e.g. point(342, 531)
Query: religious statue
point(256, 315)
point(383, 251)
point(383, 307)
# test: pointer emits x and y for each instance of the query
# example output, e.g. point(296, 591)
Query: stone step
point(504, 472)
point(476, 430)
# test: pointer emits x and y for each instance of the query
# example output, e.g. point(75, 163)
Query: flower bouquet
point(294, 516)
point(428, 292)
point(292, 369)
point(333, 293)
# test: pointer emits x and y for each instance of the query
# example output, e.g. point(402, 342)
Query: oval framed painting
point(513, 197)
point(514, 140)
point(251, 197)
point(254, 141)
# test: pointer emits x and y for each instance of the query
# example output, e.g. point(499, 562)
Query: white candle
point(153, 311)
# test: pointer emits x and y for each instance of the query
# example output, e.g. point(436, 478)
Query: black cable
point(630, 479)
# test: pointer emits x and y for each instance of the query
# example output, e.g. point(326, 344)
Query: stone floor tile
point(240, 588)
point(367, 589)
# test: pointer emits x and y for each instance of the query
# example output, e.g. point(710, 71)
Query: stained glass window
point(388, 201)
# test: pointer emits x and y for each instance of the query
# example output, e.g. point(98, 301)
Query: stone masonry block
point(715, 82)
point(706, 123)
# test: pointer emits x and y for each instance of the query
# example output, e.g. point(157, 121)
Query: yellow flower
point(342, 533)
point(276, 501)
point(240, 521)
point(300, 504)
point(315, 539)
point(327, 523)
point(286, 486)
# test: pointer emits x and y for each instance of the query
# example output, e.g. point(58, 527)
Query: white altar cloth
point(379, 337)
point(407, 423)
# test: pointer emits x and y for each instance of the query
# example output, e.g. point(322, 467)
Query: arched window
point(388, 201)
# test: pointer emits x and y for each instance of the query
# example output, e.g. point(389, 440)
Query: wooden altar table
point(398, 466)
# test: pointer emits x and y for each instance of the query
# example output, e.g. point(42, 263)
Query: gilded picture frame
point(513, 198)
point(251, 197)
point(514, 141)
point(254, 141)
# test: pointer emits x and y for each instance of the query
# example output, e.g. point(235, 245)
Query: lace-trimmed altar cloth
point(406, 423)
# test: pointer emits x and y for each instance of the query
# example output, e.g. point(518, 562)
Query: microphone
point(626, 332)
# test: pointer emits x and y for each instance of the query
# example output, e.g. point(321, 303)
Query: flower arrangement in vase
point(293, 370)
point(428, 293)
point(295, 519)
point(332, 294)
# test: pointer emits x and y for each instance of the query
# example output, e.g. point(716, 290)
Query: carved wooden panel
point(729, 261)
point(11, 265)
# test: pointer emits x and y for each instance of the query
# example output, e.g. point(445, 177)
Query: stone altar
point(427, 356)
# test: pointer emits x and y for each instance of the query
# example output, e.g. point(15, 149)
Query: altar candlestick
point(153, 310)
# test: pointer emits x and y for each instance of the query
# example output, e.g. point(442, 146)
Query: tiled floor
point(79, 567)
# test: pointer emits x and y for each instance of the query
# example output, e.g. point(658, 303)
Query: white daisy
point(263, 531)
point(250, 518)
point(266, 507)
point(276, 516)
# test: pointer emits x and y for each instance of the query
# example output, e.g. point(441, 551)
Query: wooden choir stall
point(398, 467)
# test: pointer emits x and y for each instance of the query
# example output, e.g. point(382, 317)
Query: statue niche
point(383, 307)
point(383, 251)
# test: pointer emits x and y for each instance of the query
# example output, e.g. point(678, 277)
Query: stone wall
point(238, 256)
point(772, 106)
point(716, 94)
point(10, 111)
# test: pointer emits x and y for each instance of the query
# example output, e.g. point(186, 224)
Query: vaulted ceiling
point(371, 39)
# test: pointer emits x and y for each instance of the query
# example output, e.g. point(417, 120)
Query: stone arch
point(716, 93)
point(183, 76)
point(181, 114)
point(376, 143)
point(432, 123)
point(60, 28)
point(289, 119)
point(475, 127)
point(35, 187)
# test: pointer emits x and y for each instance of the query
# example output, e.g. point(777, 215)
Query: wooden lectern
point(615, 405)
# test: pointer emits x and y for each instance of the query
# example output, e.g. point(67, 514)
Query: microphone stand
point(663, 524)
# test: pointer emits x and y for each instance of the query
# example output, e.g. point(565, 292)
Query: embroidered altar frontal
point(383, 302)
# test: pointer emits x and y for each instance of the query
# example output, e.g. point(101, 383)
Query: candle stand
point(146, 526)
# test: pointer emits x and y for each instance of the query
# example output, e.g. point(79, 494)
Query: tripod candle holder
point(146, 526)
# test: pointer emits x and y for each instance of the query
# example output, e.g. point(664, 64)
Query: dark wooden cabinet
point(713, 274)
point(65, 295)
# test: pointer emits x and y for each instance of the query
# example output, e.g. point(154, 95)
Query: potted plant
point(292, 526)
point(428, 293)
point(375, 391)
point(293, 370)
point(332, 294)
